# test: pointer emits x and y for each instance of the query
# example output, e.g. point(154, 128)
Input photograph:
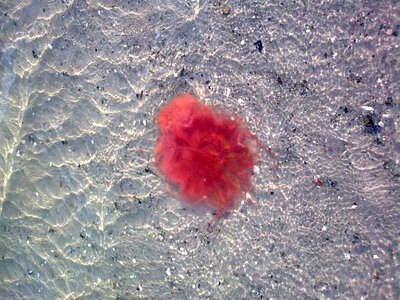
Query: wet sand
point(84, 213)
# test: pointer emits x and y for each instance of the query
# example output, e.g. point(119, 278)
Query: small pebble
point(319, 182)
point(367, 108)
point(226, 10)
point(183, 251)
point(259, 45)
point(227, 92)
point(248, 197)
point(256, 170)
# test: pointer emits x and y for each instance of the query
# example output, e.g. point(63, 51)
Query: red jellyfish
point(207, 156)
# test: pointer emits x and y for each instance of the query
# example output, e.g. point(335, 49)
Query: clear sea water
point(84, 213)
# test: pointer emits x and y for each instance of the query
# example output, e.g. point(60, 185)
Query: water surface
point(84, 214)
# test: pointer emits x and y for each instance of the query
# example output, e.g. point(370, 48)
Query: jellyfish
point(208, 156)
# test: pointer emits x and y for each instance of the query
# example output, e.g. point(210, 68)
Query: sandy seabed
point(84, 213)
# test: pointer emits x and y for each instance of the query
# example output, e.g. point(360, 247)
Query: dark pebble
point(389, 101)
point(355, 78)
point(182, 72)
point(343, 110)
point(355, 239)
point(379, 142)
point(259, 45)
point(369, 125)
point(139, 96)
point(332, 183)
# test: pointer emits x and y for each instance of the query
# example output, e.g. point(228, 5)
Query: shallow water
point(85, 214)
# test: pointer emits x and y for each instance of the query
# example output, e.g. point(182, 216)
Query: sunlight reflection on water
point(84, 211)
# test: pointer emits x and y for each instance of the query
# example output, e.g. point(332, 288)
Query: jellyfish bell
point(208, 156)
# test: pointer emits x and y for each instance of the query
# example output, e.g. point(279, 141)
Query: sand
point(85, 214)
